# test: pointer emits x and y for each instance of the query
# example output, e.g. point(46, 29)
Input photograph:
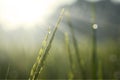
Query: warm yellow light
point(27, 12)
point(21, 12)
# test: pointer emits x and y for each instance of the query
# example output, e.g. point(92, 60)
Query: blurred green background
point(19, 48)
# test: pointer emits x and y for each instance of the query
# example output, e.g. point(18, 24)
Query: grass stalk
point(7, 73)
point(76, 48)
point(94, 53)
point(34, 68)
point(37, 67)
point(71, 74)
point(94, 42)
point(100, 73)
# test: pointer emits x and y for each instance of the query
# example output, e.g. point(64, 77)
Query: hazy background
point(24, 24)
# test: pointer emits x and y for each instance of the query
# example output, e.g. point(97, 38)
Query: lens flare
point(28, 13)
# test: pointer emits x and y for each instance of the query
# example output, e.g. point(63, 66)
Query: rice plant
point(35, 66)
point(94, 53)
point(71, 73)
point(77, 53)
point(100, 73)
point(38, 65)
point(7, 73)
point(94, 46)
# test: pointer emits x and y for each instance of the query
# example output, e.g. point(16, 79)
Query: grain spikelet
point(35, 71)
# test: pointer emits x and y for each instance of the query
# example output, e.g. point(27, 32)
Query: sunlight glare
point(27, 13)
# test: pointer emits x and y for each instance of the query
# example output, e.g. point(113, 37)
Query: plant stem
point(70, 57)
point(76, 48)
point(94, 53)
